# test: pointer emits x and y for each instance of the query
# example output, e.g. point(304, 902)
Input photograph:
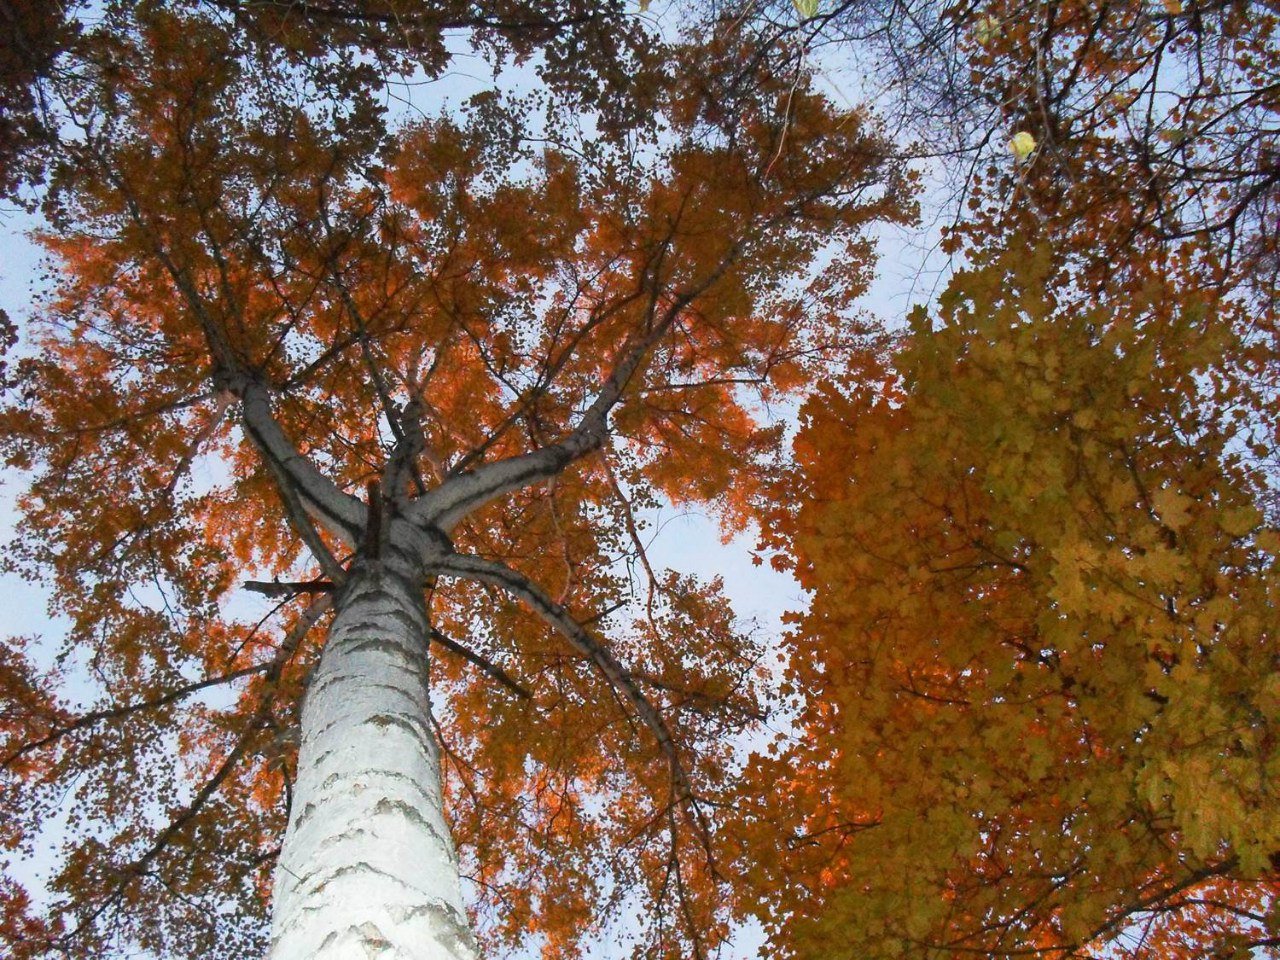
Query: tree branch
point(338, 512)
point(447, 504)
point(287, 588)
point(519, 586)
point(487, 666)
point(274, 668)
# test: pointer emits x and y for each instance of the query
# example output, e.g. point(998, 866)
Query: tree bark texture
point(368, 869)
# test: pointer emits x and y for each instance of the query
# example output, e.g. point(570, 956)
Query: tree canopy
point(276, 315)
point(1039, 670)
point(1042, 646)
point(293, 322)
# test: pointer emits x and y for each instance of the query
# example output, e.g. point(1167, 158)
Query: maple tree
point(419, 381)
point(1042, 637)
point(1039, 671)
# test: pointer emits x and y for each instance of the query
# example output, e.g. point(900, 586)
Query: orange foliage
point(230, 226)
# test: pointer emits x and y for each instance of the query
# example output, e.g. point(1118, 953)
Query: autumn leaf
point(1013, 647)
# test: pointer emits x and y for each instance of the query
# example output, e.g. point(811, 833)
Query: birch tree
point(416, 386)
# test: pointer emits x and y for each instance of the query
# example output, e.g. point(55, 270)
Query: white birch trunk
point(368, 869)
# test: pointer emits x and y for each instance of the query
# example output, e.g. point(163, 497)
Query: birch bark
point(368, 869)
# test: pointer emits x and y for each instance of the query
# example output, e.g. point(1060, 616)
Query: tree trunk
point(368, 868)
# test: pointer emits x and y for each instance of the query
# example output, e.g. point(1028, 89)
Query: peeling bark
point(368, 868)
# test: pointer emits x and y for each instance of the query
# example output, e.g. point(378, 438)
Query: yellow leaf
point(1239, 521)
point(986, 29)
point(1173, 508)
point(1022, 145)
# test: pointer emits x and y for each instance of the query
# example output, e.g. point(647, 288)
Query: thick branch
point(519, 586)
point(339, 513)
point(288, 588)
point(488, 666)
point(446, 505)
point(401, 469)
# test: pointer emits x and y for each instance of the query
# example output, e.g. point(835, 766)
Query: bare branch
point(288, 588)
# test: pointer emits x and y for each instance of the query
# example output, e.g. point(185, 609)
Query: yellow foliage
point(1044, 604)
